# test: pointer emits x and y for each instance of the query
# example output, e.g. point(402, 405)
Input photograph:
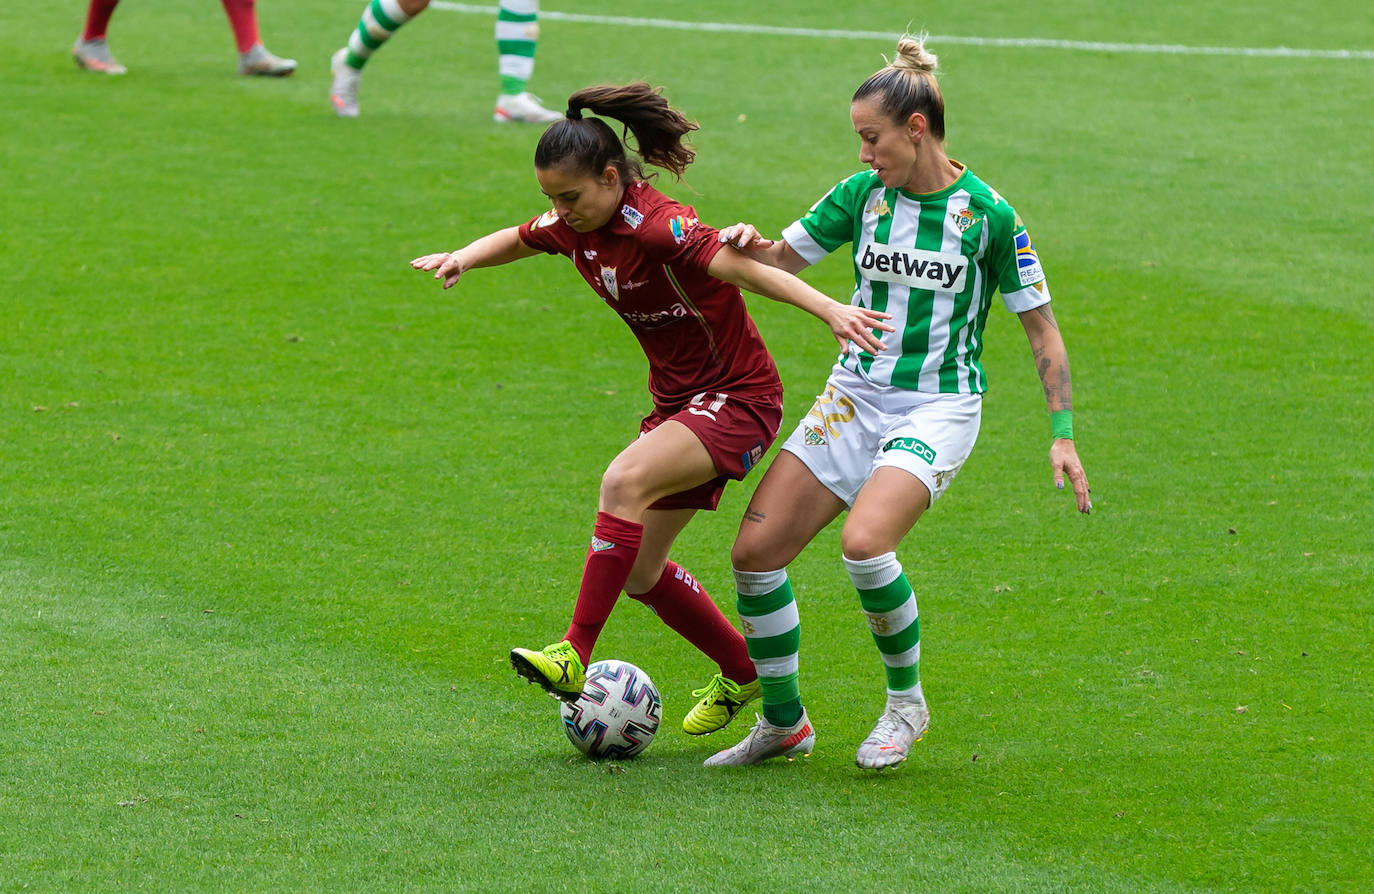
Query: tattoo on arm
point(753, 515)
point(1052, 365)
point(1055, 381)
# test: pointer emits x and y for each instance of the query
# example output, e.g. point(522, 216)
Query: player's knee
point(744, 556)
point(859, 542)
point(623, 486)
point(758, 554)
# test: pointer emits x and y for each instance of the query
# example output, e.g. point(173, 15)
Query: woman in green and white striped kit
point(931, 245)
point(517, 32)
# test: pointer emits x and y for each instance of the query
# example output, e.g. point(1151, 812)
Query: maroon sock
point(98, 18)
point(615, 544)
point(684, 605)
point(243, 18)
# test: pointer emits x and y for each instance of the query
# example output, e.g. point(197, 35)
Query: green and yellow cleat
point(721, 700)
point(556, 668)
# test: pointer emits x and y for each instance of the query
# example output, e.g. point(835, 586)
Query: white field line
point(935, 39)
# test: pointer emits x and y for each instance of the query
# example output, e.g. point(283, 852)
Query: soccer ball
point(616, 715)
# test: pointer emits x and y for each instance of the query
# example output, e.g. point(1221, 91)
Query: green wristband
point(1061, 424)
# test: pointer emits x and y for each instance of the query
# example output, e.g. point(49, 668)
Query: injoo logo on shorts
point(912, 445)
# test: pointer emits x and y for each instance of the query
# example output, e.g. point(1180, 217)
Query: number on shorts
point(829, 420)
point(697, 406)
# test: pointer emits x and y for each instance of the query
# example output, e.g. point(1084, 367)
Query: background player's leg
point(90, 50)
point(517, 33)
point(98, 18)
point(254, 58)
point(379, 21)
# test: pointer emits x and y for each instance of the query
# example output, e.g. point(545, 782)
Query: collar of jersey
point(940, 194)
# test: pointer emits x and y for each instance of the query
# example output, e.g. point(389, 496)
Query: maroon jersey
point(649, 265)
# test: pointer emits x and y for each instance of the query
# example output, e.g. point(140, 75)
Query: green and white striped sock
point(772, 633)
point(380, 20)
point(517, 31)
point(890, 605)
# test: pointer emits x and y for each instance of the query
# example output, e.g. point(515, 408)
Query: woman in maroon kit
point(716, 393)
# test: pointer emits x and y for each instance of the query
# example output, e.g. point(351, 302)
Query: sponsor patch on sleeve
point(633, 216)
point(681, 227)
point(545, 219)
point(1027, 261)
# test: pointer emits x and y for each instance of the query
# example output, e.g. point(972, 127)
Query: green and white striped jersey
point(932, 261)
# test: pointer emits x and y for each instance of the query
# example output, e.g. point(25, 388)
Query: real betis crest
point(963, 219)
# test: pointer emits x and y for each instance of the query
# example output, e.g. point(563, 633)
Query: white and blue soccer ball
point(617, 714)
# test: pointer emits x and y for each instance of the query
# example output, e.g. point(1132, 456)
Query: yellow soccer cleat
point(721, 700)
point(556, 668)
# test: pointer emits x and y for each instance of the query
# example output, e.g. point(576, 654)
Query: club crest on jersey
point(546, 219)
point(916, 268)
point(680, 227)
point(963, 219)
point(879, 207)
point(633, 216)
point(1027, 261)
point(608, 280)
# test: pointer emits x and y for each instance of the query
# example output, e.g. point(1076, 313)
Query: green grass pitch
point(273, 507)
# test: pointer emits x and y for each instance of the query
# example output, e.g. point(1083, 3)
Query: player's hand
point(445, 264)
point(1064, 462)
point(745, 237)
point(851, 323)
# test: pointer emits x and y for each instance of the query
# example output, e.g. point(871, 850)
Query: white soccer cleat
point(261, 61)
point(94, 55)
point(524, 108)
point(903, 724)
point(765, 741)
point(343, 92)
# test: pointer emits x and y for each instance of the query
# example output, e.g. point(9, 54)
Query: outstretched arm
point(774, 252)
point(847, 322)
point(491, 250)
point(1052, 363)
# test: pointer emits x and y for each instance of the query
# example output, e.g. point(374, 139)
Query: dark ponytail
point(588, 145)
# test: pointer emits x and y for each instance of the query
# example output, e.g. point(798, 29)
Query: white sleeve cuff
point(1027, 299)
point(796, 236)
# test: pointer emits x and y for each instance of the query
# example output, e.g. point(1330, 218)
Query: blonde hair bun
point(913, 56)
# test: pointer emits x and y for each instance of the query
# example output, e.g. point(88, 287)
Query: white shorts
point(856, 427)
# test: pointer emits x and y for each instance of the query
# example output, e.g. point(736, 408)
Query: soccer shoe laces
point(712, 690)
point(890, 725)
point(887, 727)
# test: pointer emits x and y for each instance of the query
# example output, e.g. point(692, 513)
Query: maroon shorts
point(736, 429)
